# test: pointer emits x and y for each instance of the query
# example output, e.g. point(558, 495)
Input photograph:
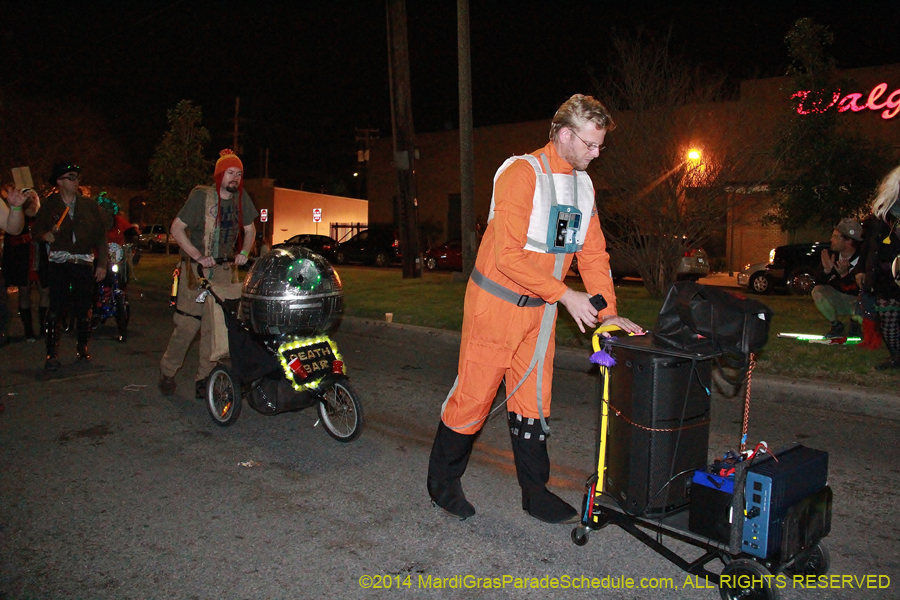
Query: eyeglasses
point(71, 177)
point(590, 145)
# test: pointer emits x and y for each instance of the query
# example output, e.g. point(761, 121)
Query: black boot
point(533, 471)
point(449, 457)
point(836, 331)
point(27, 325)
point(42, 319)
point(892, 363)
point(53, 334)
point(83, 329)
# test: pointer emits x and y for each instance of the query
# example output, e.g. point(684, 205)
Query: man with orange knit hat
point(215, 223)
point(542, 212)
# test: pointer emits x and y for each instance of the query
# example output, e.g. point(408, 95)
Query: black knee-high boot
point(53, 334)
point(449, 457)
point(27, 323)
point(533, 471)
point(83, 329)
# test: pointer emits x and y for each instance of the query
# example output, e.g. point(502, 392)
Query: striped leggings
point(889, 317)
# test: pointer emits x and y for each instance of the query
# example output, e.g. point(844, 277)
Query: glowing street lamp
point(693, 154)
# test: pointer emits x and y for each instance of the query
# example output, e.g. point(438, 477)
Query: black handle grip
point(598, 302)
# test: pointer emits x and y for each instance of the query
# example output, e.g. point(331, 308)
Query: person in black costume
point(882, 259)
point(75, 229)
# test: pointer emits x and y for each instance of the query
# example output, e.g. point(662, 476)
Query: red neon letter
point(874, 95)
point(893, 103)
point(848, 102)
point(802, 96)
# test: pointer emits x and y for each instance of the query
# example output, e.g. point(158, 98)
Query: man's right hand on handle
point(207, 262)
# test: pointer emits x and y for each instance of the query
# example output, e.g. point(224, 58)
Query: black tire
point(801, 283)
point(340, 258)
point(431, 263)
point(742, 574)
point(340, 412)
point(760, 284)
point(382, 260)
point(579, 536)
point(817, 563)
point(223, 396)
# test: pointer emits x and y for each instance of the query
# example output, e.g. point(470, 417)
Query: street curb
point(831, 396)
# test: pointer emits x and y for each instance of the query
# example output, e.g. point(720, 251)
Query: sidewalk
point(835, 397)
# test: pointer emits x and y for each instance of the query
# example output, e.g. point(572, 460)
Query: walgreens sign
point(876, 100)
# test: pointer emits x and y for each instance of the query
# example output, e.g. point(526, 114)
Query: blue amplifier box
point(774, 484)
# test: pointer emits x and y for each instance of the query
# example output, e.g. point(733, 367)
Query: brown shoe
point(166, 385)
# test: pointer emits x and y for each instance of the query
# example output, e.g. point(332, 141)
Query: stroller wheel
point(340, 412)
point(223, 396)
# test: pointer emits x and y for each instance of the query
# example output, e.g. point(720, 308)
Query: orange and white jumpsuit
point(498, 337)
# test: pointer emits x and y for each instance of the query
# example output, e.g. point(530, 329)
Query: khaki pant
point(207, 318)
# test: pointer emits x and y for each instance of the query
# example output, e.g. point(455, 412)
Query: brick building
point(755, 118)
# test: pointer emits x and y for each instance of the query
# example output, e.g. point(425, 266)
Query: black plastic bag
point(708, 320)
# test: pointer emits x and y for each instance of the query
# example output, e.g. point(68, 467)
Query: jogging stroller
point(281, 358)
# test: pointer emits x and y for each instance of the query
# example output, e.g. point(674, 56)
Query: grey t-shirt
point(193, 214)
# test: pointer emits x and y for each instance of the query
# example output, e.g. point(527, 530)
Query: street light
point(693, 154)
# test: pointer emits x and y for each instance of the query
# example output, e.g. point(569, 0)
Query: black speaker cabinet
point(662, 429)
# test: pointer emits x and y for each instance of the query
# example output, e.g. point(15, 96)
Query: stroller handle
point(205, 283)
point(219, 261)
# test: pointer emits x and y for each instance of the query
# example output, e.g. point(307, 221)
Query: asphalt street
point(110, 490)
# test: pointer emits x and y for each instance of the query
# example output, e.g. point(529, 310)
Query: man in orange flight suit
point(542, 212)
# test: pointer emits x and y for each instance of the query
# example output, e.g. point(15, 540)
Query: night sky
point(308, 74)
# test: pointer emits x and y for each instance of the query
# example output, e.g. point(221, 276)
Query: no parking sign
point(317, 215)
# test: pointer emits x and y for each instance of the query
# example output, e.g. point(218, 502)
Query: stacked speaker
point(658, 425)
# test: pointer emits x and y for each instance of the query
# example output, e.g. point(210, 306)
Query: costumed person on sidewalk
point(75, 230)
point(12, 221)
point(542, 213)
point(215, 223)
point(867, 302)
point(881, 263)
point(837, 294)
point(118, 227)
point(20, 264)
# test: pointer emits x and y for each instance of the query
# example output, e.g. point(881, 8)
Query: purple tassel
point(603, 358)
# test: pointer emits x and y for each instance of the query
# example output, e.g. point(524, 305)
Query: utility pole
point(466, 169)
point(234, 143)
point(403, 136)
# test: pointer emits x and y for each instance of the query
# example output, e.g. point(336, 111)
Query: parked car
point(693, 265)
point(154, 238)
point(790, 267)
point(320, 244)
point(446, 256)
point(379, 246)
point(755, 278)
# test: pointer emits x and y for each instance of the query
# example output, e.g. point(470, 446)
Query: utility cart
point(762, 516)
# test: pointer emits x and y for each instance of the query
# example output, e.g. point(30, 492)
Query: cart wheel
point(341, 412)
point(745, 579)
point(817, 563)
point(223, 396)
point(580, 536)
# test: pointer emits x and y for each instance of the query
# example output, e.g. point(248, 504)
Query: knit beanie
point(228, 160)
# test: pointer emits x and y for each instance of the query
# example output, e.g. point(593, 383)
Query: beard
point(231, 187)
